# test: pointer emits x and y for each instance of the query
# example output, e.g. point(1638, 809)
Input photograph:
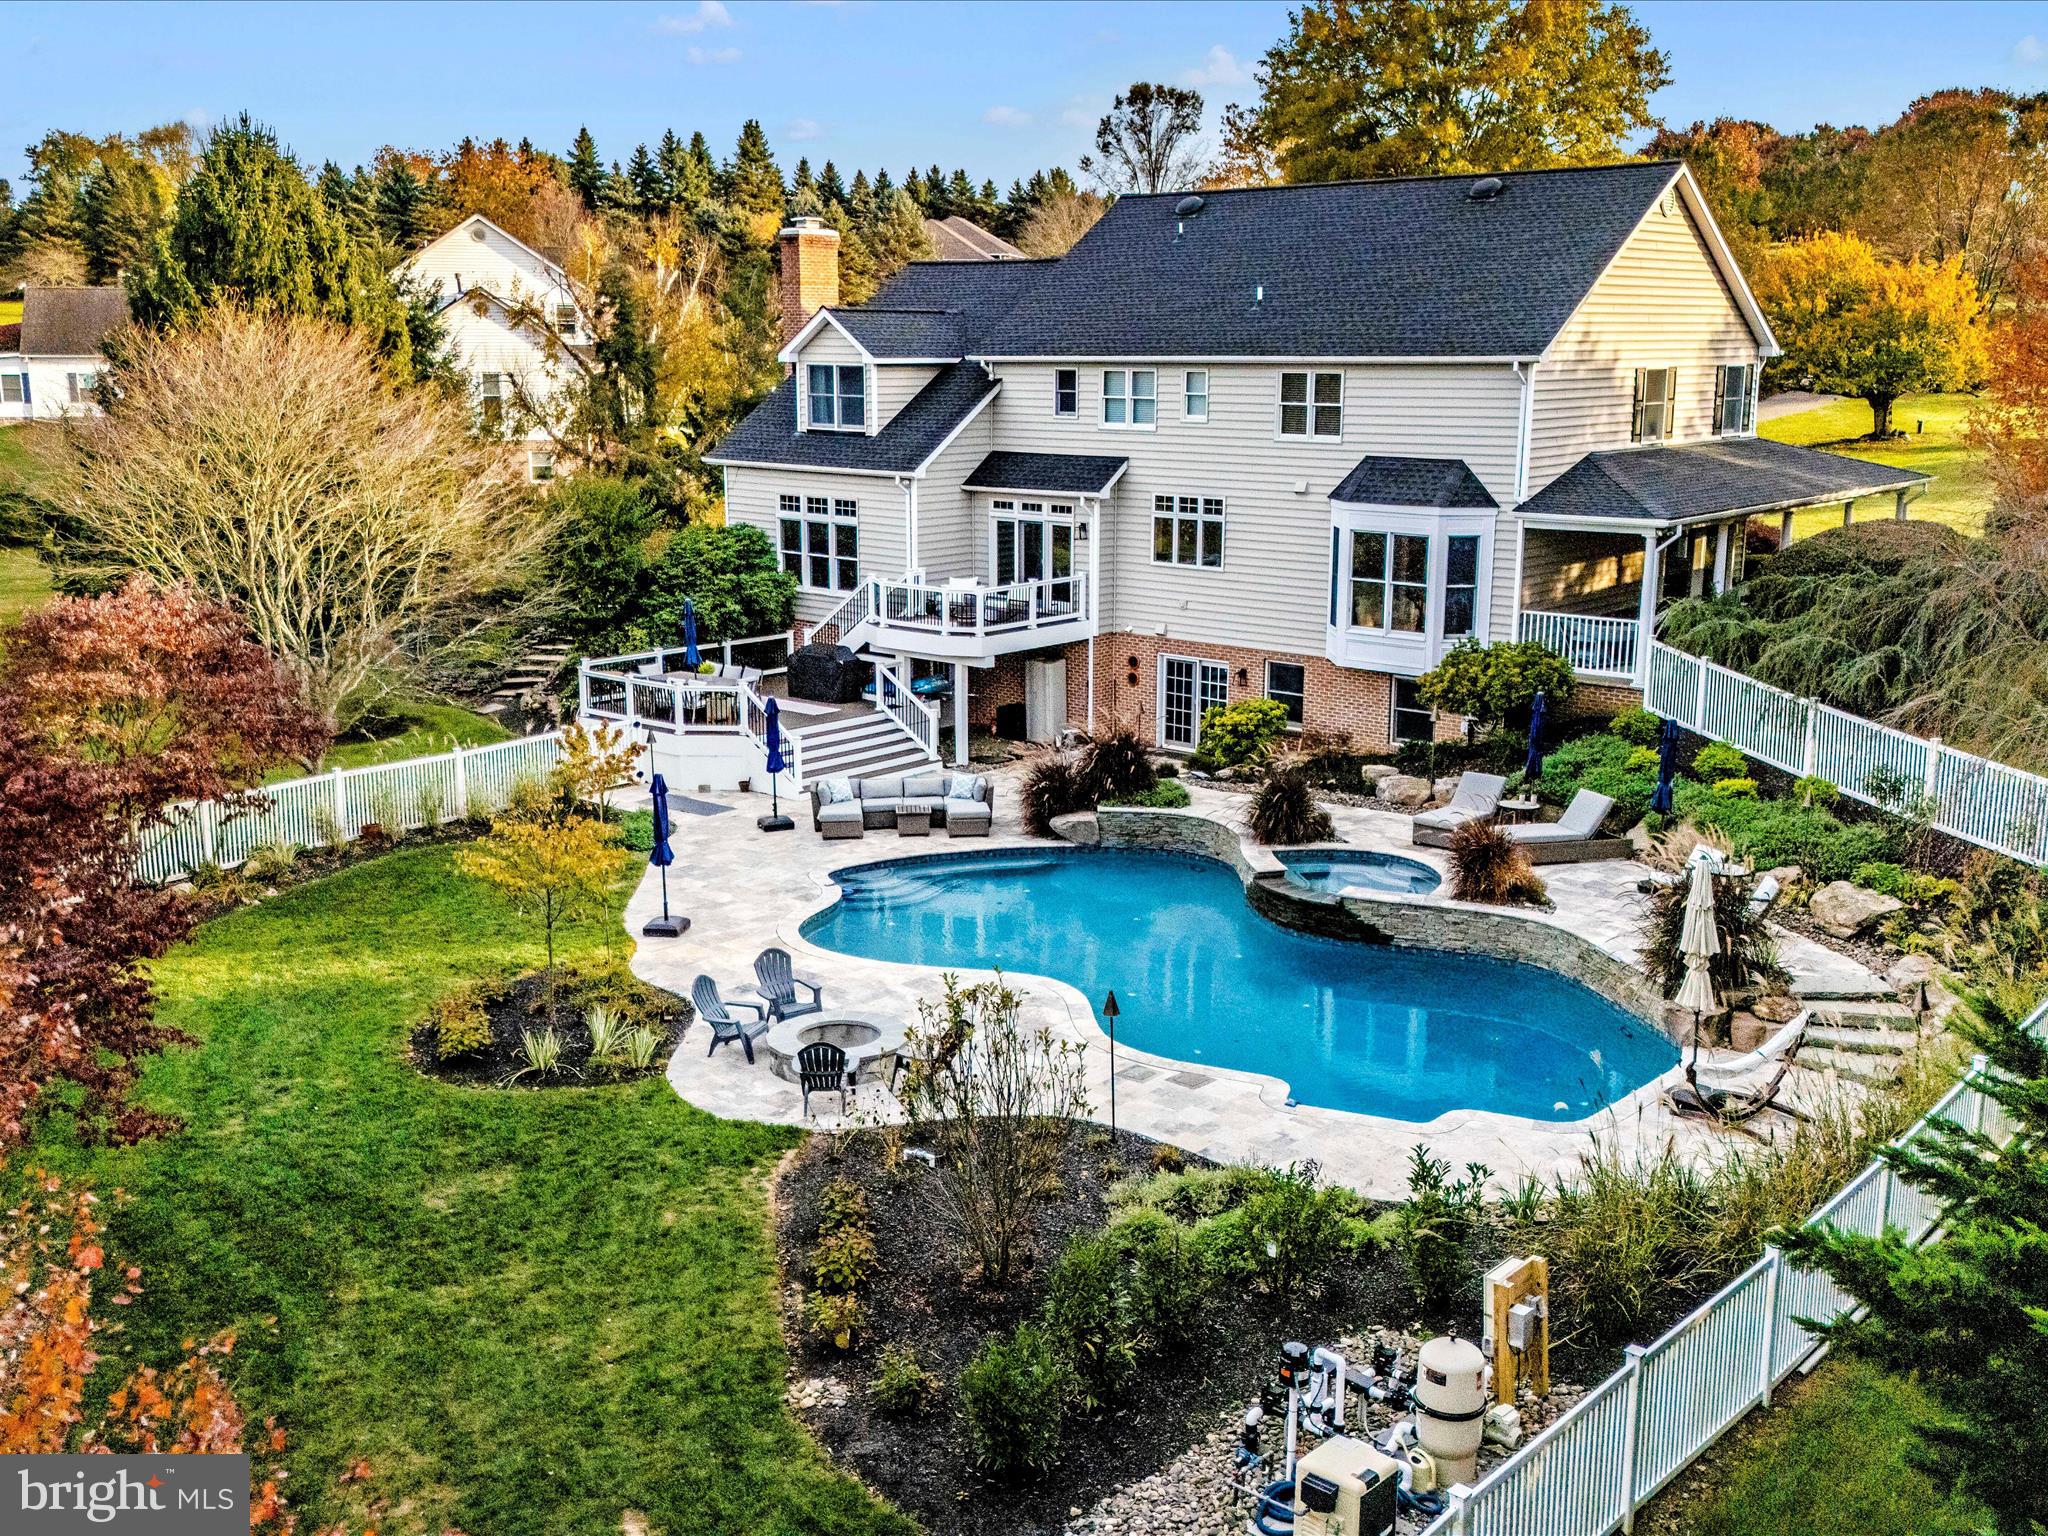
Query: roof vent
point(1187, 207)
point(478, 234)
point(1486, 189)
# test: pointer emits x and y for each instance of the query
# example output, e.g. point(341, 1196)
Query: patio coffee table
point(914, 818)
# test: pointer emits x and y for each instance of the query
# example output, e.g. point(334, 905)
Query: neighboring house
point(1292, 442)
point(51, 362)
point(957, 239)
point(491, 288)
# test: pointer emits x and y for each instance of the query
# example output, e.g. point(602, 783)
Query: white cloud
point(1080, 113)
point(802, 129)
point(2030, 50)
point(1007, 117)
point(712, 55)
point(1219, 67)
point(709, 14)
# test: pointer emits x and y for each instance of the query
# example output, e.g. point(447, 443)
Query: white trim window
point(81, 386)
point(1130, 397)
point(540, 465)
point(1734, 387)
point(838, 397)
point(1287, 686)
point(14, 389)
point(1066, 392)
point(490, 395)
point(1187, 530)
point(1390, 581)
point(1312, 404)
point(1194, 395)
point(567, 321)
point(1461, 586)
point(820, 542)
point(1650, 416)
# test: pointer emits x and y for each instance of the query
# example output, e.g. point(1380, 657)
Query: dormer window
point(565, 320)
point(838, 396)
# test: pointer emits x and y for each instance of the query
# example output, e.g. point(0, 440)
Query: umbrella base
point(665, 927)
point(774, 823)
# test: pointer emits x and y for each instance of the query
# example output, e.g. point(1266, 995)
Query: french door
point(1188, 688)
point(1034, 548)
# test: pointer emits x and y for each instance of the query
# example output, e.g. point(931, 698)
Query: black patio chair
point(725, 1028)
point(776, 979)
point(821, 1065)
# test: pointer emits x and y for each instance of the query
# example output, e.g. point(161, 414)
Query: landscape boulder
point(1374, 773)
point(1787, 876)
point(1444, 788)
point(1845, 910)
point(1778, 1008)
point(1910, 973)
point(1403, 791)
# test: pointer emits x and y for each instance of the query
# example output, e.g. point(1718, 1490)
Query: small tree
point(996, 1101)
point(1490, 684)
point(553, 869)
point(731, 577)
point(1967, 1316)
point(593, 764)
point(1854, 323)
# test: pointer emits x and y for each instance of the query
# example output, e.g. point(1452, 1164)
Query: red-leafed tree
point(113, 710)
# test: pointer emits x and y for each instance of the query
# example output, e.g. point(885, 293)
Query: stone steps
point(1872, 1067)
point(1866, 1040)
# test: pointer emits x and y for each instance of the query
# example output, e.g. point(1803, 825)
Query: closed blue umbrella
point(1667, 767)
point(1538, 708)
point(775, 821)
point(690, 634)
point(663, 856)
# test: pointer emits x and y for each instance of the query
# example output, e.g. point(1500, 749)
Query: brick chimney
point(810, 271)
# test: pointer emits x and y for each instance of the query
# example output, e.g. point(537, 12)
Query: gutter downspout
point(1525, 374)
point(908, 485)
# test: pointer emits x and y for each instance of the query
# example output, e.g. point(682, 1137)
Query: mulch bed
point(920, 1296)
point(522, 1005)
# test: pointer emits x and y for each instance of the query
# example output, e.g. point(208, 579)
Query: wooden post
point(1848, 513)
point(1508, 1282)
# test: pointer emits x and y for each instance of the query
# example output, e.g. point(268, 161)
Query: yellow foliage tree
point(554, 870)
point(594, 763)
point(1853, 323)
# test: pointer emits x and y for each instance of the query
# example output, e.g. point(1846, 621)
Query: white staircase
point(856, 746)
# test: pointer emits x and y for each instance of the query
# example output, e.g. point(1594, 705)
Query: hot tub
point(1337, 870)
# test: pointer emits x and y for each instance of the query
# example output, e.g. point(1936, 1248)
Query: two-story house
point(510, 312)
point(1291, 441)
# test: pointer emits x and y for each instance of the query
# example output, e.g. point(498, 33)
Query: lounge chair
point(1730, 1106)
point(1477, 798)
point(1574, 837)
point(820, 1068)
point(776, 980)
point(717, 1012)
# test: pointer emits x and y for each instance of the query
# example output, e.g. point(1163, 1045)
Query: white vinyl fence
point(1982, 802)
point(1588, 1473)
point(333, 808)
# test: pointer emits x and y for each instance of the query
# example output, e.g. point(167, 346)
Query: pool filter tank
point(1450, 1407)
point(1345, 1487)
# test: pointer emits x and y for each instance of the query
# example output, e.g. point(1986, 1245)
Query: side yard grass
point(526, 1311)
point(412, 729)
point(1961, 492)
point(24, 582)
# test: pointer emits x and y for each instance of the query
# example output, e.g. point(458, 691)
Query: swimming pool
point(1402, 1033)
point(1351, 869)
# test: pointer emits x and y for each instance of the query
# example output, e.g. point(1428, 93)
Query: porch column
point(1721, 558)
point(1899, 505)
point(1646, 607)
point(1848, 513)
point(959, 714)
point(1784, 528)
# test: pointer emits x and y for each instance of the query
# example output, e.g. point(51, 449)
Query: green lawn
point(408, 730)
point(527, 1311)
point(1829, 1461)
point(1961, 492)
point(24, 582)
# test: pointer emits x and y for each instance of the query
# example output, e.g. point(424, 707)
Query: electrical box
point(1345, 1487)
point(1523, 1317)
point(1514, 1326)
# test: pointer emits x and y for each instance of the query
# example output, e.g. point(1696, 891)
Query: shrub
point(1743, 788)
point(843, 1259)
point(1494, 683)
point(1435, 1224)
point(1054, 785)
point(1487, 867)
point(1643, 760)
point(1747, 952)
point(271, 861)
point(1167, 1158)
point(1286, 1236)
point(461, 1021)
point(1640, 727)
point(1718, 760)
point(1166, 795)
point(1927, 897)
point(1813, 790)
point(1606, 765)
point(902, 1385)
point(1168, 1281)
point(1284, 810)
point(1241, 732)
point(1117, 763)
point(1088, 1312)
point(542, 1050)
point(1773, 832)
point(841, 1203)
point(834, 1315)
point(636, 831)
point(1014, 1398)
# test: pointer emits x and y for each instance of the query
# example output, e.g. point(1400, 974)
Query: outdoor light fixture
point(1109, 1013)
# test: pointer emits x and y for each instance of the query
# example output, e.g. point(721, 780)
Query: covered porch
point(1619, 535)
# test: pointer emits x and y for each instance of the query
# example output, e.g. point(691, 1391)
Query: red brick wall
point(808, 276)
point(1603, 700)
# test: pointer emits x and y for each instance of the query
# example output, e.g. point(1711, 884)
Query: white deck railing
point(1994, 806)
point(1591, 642)
point(913, 610)
point(894, 697)
point(1589, 1472)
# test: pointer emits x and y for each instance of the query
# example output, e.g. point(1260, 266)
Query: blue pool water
point(1406, 1034)
point(1346, 869)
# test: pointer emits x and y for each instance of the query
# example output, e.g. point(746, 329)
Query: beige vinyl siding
point(1272, 589)
point(1662, 303)
point(893, 386)
point(830, 345)
point(753, 496)
point(1570, 572)
point(952, 524)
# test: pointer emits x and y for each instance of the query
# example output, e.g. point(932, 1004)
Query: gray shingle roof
point(1699, 480)
point(923, 333)
point(1388, 481)
point(1058, 474)
point(1399, 268)
point(769, 434)
point(70, 322)
point(980, 292)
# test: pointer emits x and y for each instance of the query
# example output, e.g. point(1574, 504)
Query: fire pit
point(871, 1045)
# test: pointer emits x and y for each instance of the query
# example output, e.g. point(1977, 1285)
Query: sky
point(1002, 89)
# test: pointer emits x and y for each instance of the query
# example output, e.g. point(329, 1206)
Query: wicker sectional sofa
point(871, 803)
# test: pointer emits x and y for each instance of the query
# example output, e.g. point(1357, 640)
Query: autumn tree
point(1059, 221)
point(1147, 140)
point(114, 710)
point(1401, 87)
point(357, 529)
point(553, 868)
point(1853, 323)
point(2011, 424)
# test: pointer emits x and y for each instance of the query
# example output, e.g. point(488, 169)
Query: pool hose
point(1273, 1513)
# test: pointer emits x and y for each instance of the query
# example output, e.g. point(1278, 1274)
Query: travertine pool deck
point(745, 890)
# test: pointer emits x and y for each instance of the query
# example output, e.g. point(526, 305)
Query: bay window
point(1461, 586)
point(820, 542)
point(1406, 584)
point(1390, 581)
point(838, 396)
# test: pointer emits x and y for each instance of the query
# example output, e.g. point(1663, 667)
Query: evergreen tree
point(349, 196)
point(802, 181)
point(987, 203)
point(250, 230)
point(586, 170)
point(899, 235)
point(122, 203)
point(404, 206)
point(960, 195)
point(644, 177)
point(622, 395)
point(883, 186)
point(915, 189)
point(935, 202)
point(861, 206)
point(615, 195)
point(858, 274)
point(752, 183)
point(830, 187)
point(672, 163)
